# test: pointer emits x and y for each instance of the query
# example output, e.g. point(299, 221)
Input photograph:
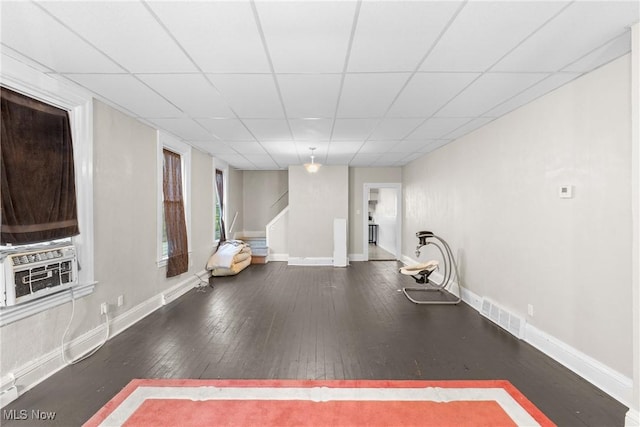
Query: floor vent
point(506, 320)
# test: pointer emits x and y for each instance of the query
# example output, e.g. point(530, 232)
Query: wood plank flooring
point(276, 321)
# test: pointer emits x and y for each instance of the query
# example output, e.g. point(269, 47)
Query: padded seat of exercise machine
point(426, 267)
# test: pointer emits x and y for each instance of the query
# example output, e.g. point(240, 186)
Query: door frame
point(366, 187)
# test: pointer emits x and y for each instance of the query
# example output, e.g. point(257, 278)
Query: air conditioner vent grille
point(30, 275)
point(503, 318)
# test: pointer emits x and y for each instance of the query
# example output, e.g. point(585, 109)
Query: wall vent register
point(28, 275)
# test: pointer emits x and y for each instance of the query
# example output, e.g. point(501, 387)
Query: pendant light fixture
point(313, 166)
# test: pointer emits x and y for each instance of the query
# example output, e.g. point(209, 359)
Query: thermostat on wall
point(566, 191)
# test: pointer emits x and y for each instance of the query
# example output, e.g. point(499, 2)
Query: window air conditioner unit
point(28, 275)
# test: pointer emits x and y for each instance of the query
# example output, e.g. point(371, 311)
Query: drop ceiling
point(368, 83)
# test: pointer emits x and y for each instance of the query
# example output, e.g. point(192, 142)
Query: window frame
point(216, 236)
point(165, 141)
point(20, 77)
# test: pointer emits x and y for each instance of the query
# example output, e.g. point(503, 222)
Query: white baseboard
point(357, 257)
point(311, 261)
point(278, 257)
point(608, 380)
point(31, 374)
point(632, 419)
point(612, 382)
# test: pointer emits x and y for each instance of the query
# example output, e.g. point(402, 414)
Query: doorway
point(382, 221)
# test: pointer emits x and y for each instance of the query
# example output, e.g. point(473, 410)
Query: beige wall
point(235, 185)
point(493, 195)
point(125, 207)
point(357, 178)
point(315, 199)
point(261, 196)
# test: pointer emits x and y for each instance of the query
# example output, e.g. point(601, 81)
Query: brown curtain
point(36, 161)
point(178, 261)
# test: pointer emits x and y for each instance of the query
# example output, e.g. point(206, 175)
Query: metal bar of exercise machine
point(421, 272)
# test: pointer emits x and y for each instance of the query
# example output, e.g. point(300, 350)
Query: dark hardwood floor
point(278, 322)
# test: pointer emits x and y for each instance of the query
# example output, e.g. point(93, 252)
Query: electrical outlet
point(103, 308)
point(120, 300)
point(530, 310)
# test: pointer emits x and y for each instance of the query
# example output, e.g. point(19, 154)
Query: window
point(25, 80)
point(178, 154)
point(175, 226)
point(38, 176)
point(219, 200)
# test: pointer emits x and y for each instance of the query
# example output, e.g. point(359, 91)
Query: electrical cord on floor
point(90, 352)
point(202, 286)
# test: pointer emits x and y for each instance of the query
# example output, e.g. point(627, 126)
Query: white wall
point(357, 178)
point(315, 199)
point(493, 195)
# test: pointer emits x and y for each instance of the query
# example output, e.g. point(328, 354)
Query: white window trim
point(19, 76)
point(179, 147)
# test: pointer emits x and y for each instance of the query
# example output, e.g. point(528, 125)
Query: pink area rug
point(267, 403)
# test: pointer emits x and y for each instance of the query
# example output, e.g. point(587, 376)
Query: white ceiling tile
point(247, 147)
point(185, 128)
point(261, 160)
point(488, 91)
point(250, 95)
point(369, 95)
point(285, 160)
point(236, 160)
point(427, 92)
point(310, 95)
point(395, 36)
point(321, 150)
point(437, 127)
point(214, 147)
point(364, 160)
point(476, 39)
point(543, 87)
point(394, 128)
point(469, 127)
point(344, 147)
point(564, 40)
point(269, 129)
point(281, 148)
point(602, 55)
point(192, 93)
point(307, 37)
point(125, 90)
point(392, 156)
point(339, 159)
point(412, 157)
point(350, 129)
point(126, 32)
point(221, 36)
point(373, 147)
point(35, 34)
point(311, 129)
point(410, 146)
point(227, 129)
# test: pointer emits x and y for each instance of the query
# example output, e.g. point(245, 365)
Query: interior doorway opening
point(382, 221)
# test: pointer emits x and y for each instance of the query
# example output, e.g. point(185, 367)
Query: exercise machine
point(422, 272)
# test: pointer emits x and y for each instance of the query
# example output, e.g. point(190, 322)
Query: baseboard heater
point(503, 318)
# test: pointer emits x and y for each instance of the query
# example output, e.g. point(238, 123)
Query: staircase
point(259, 249)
